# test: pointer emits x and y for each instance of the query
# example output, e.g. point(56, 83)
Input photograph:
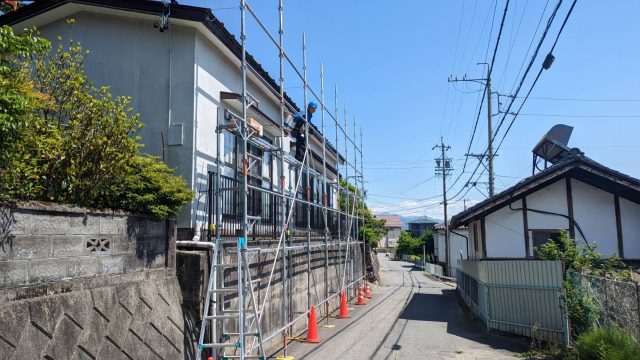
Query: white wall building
point(393, 224)
point(591, 202)
point(181, 82)
point(458, 246)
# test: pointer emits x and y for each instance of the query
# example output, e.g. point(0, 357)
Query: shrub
point(149, 187)
point(580, 306)
point(608, 343)
point(64, 140)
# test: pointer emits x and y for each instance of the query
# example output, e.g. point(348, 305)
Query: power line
point(531, 62)
point(512, 41)
point(533, 38)
point(579, 99)
point(539, 72)
point(534, 56)
point(453, 63)
point(487, 84)
point(581, 116)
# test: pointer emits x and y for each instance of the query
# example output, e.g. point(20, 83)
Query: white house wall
point(630, 216)
point(391, 239)
point(440, 246)
point(134, 59)
point(216, 73)
point(458, 244)
point(552, 198)
point(474, 253)
point(594, 211)
point(505, 233)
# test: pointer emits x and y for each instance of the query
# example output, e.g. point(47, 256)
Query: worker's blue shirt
point(298, 119)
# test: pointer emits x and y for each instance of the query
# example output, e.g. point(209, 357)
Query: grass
point(608, 343)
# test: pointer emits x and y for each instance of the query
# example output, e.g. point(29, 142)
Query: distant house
point(458, 247)
point(591, 202)
point(420, 226)
point(393, 224)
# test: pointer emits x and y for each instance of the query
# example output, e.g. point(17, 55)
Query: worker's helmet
point(313, 104)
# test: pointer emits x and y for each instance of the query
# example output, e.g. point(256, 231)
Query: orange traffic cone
point(312, 333)
point(344, 313)
point(360, 296)
point(367, 292)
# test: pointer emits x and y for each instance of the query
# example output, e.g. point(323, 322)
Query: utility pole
point(490, 137)
point(443, 167)
point(489, 155)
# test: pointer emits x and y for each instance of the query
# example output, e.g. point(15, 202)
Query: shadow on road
point(447, 308)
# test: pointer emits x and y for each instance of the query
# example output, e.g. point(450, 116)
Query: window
point(541, 237)
point(229, 148)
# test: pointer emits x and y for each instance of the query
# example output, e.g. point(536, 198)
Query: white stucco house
point(458, 246)
point(182, 80)
point(593, 203)
point(393, 224)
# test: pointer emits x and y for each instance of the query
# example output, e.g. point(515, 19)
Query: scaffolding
point(275, 227)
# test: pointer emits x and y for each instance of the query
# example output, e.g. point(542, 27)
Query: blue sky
point(391, 61)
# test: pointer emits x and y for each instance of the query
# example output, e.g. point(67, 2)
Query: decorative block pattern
point(43, 244)
point(127, 321)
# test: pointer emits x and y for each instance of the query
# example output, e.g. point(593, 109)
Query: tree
point(64, 140)
point(408, 245)
point(428, 241)
point(23, 133)
point(373, 229)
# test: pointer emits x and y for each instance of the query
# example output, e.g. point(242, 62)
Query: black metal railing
point(266, 205)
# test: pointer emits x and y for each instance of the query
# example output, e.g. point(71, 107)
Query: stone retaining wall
point(193, 270)
point(80, 284)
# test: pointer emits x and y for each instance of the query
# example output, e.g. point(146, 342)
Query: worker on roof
point(299, 119)
point(298, 132)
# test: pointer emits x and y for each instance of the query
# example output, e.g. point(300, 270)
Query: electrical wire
point(531, 62)
point(539, 73)
point(581, 116)
point(578, 99)
point(493, 59)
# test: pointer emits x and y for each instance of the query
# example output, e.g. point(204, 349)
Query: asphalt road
point(410, 317)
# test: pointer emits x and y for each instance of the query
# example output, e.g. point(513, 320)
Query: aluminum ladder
point(216, 317)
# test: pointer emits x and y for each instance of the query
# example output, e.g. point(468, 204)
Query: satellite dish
point(553, 145)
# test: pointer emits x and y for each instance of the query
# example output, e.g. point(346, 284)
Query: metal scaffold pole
point(355, 184)
point(283, 222)
point(364, 233)
point(339, 214)
point(324, 196)
point(346, 200)
point(231, 327)
point(245, 191)
point(306, 166)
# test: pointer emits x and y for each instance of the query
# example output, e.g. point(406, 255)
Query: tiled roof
point(392, 221)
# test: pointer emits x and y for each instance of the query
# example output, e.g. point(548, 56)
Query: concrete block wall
point(44, 243)
point(80, 284)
